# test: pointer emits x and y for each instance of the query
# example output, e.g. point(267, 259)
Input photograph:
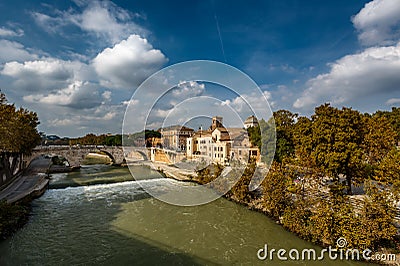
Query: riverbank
point(15, 199)
point(13, 216)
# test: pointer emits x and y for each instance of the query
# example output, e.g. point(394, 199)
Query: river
point(101, 216)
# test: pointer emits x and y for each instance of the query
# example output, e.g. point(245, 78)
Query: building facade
point(251, 121)
point(221, 145)
point(174, 137)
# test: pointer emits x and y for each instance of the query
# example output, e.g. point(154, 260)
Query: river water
point(81, 220)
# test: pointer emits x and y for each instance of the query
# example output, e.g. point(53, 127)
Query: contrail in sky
point(219, 32)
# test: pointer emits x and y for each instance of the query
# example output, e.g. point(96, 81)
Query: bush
point(12, 217)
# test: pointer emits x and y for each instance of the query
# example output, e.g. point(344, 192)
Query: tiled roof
point(177, 127)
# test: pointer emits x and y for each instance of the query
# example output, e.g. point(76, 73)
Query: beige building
point(220, 144)
point(174, 137)
point(251, 121)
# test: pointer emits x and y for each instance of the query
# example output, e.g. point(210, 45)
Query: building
point(220, 144)
point(199, 144)
point(174, 137)
point(251, 121)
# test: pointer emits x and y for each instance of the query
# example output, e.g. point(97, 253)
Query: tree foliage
point(18, 136)
point(337, 137)
point(276, 197)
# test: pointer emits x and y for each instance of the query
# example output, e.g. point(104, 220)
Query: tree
point(302, 138)
point(254, 136)
point(388, 170)
point(268, 139)
point(377, 215)
point(284, 122)
point(394, 119)
point(240, 191)
point(18, 137)
point(275, 195)
point(337, 137)
point(380, 138)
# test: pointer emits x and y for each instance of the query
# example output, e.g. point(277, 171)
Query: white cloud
point(128, 63)
point(4, 32)
point(130, 102)
point(393, 101)
point(14, 51)
point(78, 122)
point(105, 18)
point(45, 74)
point(378, 22)
point(370, 73)
point(249, 102)
point(187, 89)
point(102, 18)
point(79, 95)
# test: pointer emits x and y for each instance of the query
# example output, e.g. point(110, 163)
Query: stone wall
point(75, 155)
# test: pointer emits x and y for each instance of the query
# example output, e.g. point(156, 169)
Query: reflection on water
point(119, 224)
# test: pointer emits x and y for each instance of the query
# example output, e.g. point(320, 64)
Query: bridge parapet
point(76, 154)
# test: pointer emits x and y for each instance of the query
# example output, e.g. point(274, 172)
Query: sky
point(78, 63)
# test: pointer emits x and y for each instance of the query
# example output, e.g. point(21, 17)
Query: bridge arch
point(108, 154)
point(76, 154)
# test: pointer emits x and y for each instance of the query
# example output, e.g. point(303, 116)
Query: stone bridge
point(76, 154)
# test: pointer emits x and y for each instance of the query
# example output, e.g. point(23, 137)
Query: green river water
point(85, 219)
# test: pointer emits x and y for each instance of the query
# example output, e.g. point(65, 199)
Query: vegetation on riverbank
point(320, 163)
point(13, 217)
point(18, 136)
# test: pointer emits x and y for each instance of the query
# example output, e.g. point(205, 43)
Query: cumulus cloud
point(378, 22)
point(248, 102)
point(14, 51)
point(45, 74)
point(366, 74)
point(187, 89)
point(369, 77)
point(393, 101)
point(79, 95)
point(101, 18)
point(101, 119)
point(128, 63)
point(5, 32)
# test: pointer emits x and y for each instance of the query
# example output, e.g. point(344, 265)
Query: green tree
point(302, 138)
point(276, 198)
point(255, 136)
point(18, 136)
point(240, 191)
point(377, 216)
point(337, 137)
point(284, 123)
point(379, 139)
point(388, 170)
point(268, 139)
point(394, 119)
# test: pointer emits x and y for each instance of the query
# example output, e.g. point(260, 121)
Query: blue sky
point(77, 63)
